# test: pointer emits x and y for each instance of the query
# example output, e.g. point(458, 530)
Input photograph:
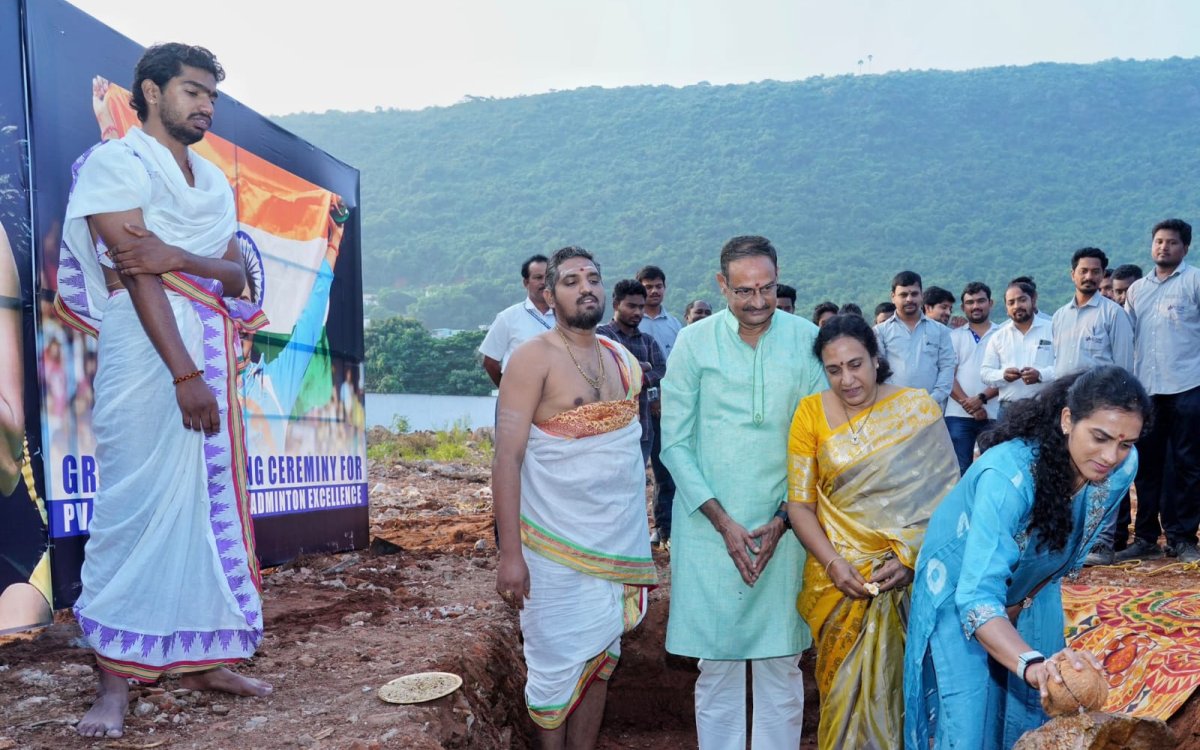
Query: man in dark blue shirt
point(629, 300)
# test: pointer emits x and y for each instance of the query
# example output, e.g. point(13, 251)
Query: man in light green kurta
point(727, 402)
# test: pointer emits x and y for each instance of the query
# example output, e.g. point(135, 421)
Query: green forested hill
point(974, 175)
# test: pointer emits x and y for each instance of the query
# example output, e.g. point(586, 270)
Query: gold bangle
point(829, 565)
point(189, 376)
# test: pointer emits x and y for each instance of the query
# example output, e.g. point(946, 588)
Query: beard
point(183, 133)
point(179, 128)
point(585, 319)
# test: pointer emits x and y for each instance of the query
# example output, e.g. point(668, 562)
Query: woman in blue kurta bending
point(986, 626)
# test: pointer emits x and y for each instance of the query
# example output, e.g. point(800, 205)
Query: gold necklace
point(597, 383)
point(854, 434)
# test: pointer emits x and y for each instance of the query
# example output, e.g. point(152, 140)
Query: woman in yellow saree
point(868, 463)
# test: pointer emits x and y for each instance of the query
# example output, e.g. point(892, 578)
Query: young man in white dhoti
point(569, 485)
point(150, 265)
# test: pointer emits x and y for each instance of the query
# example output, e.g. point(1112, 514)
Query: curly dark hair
point(1038, 421)
point(856, 328)
point(162, 62)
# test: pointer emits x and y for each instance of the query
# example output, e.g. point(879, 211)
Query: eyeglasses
point(745, 292)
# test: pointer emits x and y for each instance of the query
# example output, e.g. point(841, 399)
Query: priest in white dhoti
point(569, 485)
point(148, 264)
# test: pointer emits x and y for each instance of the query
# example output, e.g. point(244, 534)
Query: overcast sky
point(304, 55)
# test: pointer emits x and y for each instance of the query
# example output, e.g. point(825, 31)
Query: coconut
point(1081, 690)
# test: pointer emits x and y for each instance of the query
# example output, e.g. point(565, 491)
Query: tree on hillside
point(975, 175)
point(403, 357)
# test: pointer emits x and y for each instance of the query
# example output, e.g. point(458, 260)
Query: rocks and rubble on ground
point(340, 626)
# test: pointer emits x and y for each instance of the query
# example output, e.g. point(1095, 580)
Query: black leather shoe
point(1140, 550)
point(1184, 552)
point(1099, 556)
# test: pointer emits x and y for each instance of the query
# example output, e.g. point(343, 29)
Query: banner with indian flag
point(298, 232)
point(287, 224)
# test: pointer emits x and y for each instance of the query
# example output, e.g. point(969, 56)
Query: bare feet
point(106, 717)
point(227, 682)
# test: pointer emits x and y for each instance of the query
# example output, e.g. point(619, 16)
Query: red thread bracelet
point(189, 376)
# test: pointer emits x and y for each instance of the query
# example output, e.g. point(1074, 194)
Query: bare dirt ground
point(338, 627)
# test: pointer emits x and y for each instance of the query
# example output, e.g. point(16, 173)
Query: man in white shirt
point(1019, 359)
point(1032, 285)
point(973, 406)
point(515, 324)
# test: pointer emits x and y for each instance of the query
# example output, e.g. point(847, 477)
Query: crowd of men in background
point(734, 378)
point(971, 366)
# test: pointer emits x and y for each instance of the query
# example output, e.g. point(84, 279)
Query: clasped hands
point(1028, 375)
point(973, 406)
point(143, 252)
point(846, 578)
point(751, 550)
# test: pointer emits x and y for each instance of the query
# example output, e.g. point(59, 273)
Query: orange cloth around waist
point(591, 419)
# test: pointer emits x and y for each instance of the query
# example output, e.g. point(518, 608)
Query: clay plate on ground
point(418, 688)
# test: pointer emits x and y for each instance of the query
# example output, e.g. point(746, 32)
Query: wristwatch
point(782, 515)
point(1028, 659)
point(982, 397)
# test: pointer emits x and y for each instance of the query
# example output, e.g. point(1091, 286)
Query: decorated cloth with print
point(1147, 639)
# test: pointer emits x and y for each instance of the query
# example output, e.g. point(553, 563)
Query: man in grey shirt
point(656, 321)
point(1165, 309)
point(1092, 330)
point(918, 348)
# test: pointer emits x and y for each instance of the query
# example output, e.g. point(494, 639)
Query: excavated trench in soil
point(650, 696)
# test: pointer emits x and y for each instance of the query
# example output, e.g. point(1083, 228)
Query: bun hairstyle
point(856, 328)
point(1037, 420)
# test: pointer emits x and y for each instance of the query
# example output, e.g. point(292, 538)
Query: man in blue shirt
point(918, 348)
point(1165, 309)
